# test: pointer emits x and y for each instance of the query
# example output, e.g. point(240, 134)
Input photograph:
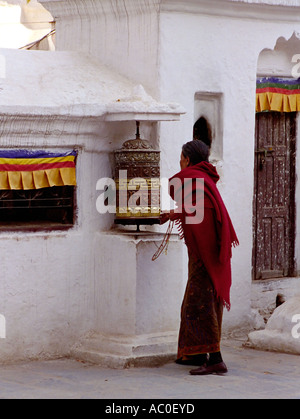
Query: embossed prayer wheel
point(137, 178)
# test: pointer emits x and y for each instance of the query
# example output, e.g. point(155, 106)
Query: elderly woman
point(209, 236)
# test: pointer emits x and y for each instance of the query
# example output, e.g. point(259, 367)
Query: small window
point(208, 120)
point(202, 131)
point(37, 190)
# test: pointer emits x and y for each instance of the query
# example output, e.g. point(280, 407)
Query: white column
point(138, 301)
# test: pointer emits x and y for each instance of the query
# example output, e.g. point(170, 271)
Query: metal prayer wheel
point(137, 179)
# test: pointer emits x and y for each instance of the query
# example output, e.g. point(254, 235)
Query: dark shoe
point(219, 369)
point(195, 360)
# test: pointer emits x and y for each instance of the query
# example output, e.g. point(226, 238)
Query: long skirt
point(201, 314)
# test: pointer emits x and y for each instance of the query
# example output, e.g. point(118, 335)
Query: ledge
point(235, 8)
point(280, 10)
point(68, 85)
point(98, 113)
point(90, 8)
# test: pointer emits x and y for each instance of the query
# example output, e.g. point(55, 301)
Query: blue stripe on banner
point(263, 80)
point(37, 154)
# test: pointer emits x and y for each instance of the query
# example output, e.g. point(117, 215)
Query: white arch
point(282, 60)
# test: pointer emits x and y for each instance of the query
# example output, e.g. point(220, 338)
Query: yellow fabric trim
point(277, 102)
point(38, 179)
point(54, 177)
point(15, 180)
point(68, 175)
point(37, 161)
point(27, 180)
point(4, 181)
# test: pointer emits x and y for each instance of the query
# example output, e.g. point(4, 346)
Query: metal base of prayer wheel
point(138, 221)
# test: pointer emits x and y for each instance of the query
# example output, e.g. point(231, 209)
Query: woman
point(209, 239)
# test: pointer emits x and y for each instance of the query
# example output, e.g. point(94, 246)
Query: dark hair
point(196, 150)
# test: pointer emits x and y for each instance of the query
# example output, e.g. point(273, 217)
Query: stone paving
point(252, 375)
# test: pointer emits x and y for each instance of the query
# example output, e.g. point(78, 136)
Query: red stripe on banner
point(278, 90)
point(34, 167)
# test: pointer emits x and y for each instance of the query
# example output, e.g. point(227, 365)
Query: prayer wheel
point(137, 178)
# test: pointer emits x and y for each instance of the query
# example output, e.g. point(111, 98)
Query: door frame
point(292, 208)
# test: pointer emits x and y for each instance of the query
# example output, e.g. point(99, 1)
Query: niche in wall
point(209, 106)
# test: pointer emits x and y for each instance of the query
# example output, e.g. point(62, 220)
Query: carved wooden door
point(274, 198)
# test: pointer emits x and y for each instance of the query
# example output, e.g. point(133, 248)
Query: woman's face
point(184, 161)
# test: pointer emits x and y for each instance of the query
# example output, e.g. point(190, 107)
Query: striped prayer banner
point(30, 169)
point(277, 94)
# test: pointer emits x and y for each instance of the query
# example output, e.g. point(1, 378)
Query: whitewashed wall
point(52, 282)
point(48, 279)
point(204, 56)
point(49, 303)
point(201, 54)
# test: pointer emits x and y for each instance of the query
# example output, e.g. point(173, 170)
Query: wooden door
point(274, 198)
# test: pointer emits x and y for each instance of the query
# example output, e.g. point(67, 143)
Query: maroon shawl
point(210, 240)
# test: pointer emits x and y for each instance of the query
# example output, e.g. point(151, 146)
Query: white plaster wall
point(52, 281)
point(219, 56)
point(121, 34)
point(49, 282)
point(61, 82)
point(183, 54)
point(193, 53)
point(44, 298)
point(135, 295)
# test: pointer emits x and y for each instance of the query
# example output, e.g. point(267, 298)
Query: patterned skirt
point(201, 315)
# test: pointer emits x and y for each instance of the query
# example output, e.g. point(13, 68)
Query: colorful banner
point(27, 169)
point(277, 94)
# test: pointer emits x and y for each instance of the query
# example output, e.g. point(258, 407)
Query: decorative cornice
point(234, 8)
point(92, 8)
point(57, 122)
point(24, 125)
point(276, 10)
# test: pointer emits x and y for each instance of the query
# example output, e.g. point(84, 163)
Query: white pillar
point(138, 301)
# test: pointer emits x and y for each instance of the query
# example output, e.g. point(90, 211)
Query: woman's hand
point(164, 217)
point(169, 215)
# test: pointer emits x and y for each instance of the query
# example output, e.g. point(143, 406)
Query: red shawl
point(210, 240)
